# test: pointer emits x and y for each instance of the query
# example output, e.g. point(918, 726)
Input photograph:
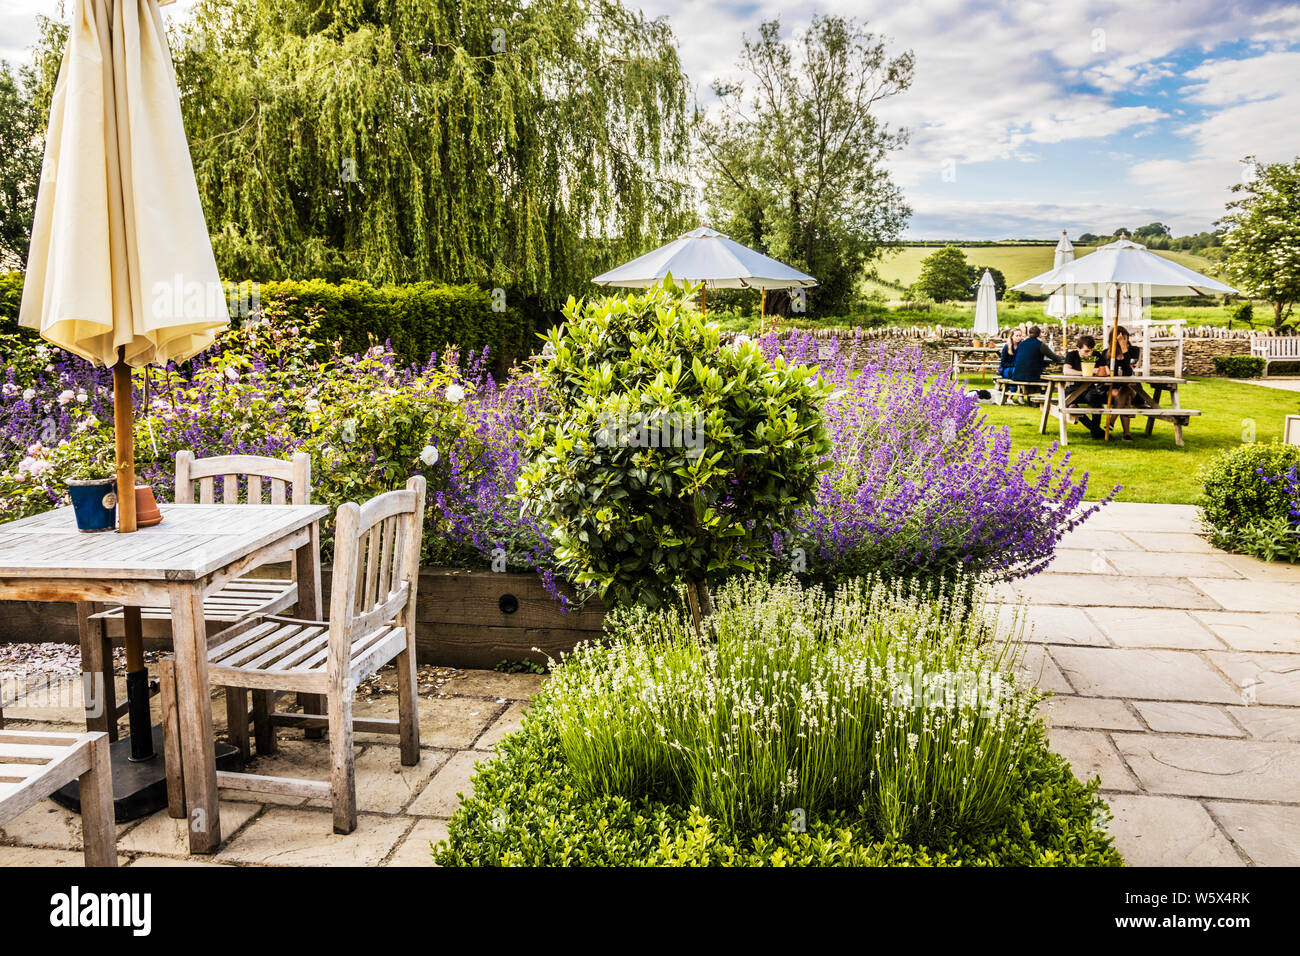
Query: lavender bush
point(918, 482)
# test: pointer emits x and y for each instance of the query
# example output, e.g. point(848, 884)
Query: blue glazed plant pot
point(94, 502)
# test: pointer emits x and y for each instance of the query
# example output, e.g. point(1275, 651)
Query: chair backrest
point(376, 566)
point(255, 469)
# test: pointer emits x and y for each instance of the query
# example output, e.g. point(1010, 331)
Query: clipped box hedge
point(1239, 366)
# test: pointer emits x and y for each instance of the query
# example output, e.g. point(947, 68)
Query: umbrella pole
point(137, 674)
point(704, 308)
point(123, 439)
point(1114, 341)
point(762, 309)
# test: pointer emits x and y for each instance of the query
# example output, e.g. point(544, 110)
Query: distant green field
point(1017, 262)
point(960, 315)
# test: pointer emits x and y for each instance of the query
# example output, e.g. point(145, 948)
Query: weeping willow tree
point(527, 144)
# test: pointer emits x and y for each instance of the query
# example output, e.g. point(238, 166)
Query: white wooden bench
point(1275, 348)
point(33, 765)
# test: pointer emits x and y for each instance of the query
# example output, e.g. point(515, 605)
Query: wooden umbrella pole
point(1114, 340)
point(704, 308)
point(137, 674)
point(123, 439)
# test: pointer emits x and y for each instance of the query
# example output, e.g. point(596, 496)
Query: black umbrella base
point(140, 788)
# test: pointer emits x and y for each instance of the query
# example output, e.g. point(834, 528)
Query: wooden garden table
point(975, 358)
point(193, 552)
point(1062, 386)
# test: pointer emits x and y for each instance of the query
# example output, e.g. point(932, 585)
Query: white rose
point(9, 388)
point(312, 405)
point(429, 455)
point(65, 396)
point(231, 373)
point(82, 398)
point(29, 394)
point(455, 393)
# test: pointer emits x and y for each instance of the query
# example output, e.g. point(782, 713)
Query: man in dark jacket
point(1032, 355)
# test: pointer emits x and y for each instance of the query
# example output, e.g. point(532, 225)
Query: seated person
point(1032, 355)
point(1133, 355)
point(1119, 356)
point(1007, 359)
point(1085, 393)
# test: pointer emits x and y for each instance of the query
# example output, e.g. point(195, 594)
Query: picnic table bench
point(1056, 402)
point(974, 358)
point(1028, 389)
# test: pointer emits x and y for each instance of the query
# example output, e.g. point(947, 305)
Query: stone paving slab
point(1172, 717)
point(1171, 628)
point(1091, 754)
point(1139, 673)
point(1249, 595)
point(1255, 630)
point(1204, 767)
point(1088, 713)
point(1167, 831)
point(1268, 833)
point(1089, 590)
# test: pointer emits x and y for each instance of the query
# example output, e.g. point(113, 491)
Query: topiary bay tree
point(669, 458)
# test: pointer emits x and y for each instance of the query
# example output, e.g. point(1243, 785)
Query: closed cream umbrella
point(121, 270)
point(119, 242)
point(1059, 304)
point(986, 306)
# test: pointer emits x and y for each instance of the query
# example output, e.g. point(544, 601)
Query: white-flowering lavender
point(881, 699)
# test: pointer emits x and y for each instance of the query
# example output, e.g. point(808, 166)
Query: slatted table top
point(1117, 379)
point(191, 542)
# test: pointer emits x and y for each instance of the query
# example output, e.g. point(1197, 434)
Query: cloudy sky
point(1029, 116)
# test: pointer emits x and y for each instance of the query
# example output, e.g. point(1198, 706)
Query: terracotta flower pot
point(146, 508)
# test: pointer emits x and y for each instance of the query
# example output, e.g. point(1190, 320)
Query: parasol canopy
point(1124, 263)
point(986, 306)
point(120, 270)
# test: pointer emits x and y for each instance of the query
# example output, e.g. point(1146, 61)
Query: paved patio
point(1175, 668)
point(403, 810)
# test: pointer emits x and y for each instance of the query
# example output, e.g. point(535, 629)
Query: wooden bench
point(1275, 348)
point(33, 765)
point(1028, 389)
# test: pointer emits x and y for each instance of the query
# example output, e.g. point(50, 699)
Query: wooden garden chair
point(33, 765)
point(245, 597)
point(371, 622)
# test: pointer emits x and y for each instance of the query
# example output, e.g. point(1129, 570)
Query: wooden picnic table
point(195, 551)
point(975, 358)
point(1061, 388)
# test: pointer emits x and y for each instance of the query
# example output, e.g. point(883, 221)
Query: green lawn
point(1155, 469)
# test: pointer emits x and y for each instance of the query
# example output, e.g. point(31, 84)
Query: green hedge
point(527, 811)
point(1239, 366)
point(419, 318)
